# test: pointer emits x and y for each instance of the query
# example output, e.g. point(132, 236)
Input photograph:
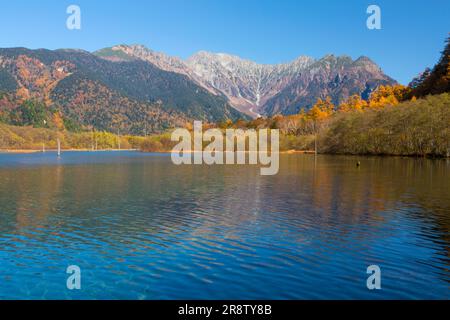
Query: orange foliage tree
point(388, 95)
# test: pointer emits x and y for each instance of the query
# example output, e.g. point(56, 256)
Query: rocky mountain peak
point(256, 88)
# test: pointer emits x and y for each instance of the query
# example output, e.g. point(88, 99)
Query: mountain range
point(137, 90)
point(262, 88)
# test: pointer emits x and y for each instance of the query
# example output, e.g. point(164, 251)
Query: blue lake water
point(140, 227)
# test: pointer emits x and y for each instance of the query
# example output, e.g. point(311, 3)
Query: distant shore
point(282, 152)
point(18, 151)
point(29, 151)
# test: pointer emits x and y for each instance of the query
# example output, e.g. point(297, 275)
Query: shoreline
point(25, 151)
point(309, 152)
point(282, 152)
point(19, 151)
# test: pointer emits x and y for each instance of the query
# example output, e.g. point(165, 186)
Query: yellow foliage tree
point(322, 110)
point(353, 103)
point(58, 121)
point(319, 113)
point(388, 95)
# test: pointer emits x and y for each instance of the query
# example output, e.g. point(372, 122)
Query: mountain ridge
point(255, 88)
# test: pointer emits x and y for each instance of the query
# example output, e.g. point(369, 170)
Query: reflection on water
point(142, 228)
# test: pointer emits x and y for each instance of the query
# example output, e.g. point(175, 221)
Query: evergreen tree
point(438, 81)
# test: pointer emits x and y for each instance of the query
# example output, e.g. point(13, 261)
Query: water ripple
point(142, 228)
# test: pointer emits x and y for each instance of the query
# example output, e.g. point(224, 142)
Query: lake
point(140, 227)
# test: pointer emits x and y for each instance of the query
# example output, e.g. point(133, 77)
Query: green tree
point(438, 80)
point(32, 113)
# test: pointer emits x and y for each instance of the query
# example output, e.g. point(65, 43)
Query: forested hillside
point(128, 96)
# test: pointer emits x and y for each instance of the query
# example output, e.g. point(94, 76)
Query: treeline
point(382, 126)
point(30, 138)
point(414, 128)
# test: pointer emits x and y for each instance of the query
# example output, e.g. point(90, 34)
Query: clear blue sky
point(266, 31)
